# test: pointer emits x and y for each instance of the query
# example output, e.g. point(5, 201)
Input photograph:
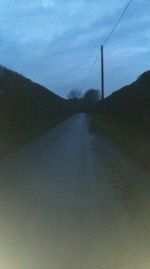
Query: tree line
point(87, 102)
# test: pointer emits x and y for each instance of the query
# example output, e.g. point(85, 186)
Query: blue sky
point(54, 42)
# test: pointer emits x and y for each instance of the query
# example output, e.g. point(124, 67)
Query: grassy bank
point(11, 137)
point(133, 138)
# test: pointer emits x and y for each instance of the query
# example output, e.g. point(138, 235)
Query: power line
point(90, 70)
point(118, 21)
point(106, 40)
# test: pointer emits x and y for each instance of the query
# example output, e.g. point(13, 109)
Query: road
point(59, 208)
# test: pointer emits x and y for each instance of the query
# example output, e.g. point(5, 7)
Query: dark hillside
point(26, 107)
point(127, 118)
point(131, 102)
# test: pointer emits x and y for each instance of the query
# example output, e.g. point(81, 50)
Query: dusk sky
point(54, 42)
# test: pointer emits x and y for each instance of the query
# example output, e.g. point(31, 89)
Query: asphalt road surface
point(59, 208)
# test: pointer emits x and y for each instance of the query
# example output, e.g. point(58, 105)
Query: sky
point(55, 42)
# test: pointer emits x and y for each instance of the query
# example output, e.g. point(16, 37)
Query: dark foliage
point(132, 102)
point(86, 103)
point(23, 103)
point(75, 100)
point(26, 109)
point(90, 100)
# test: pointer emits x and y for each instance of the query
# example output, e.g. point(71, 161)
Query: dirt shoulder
point(131, 138)
point(130, 180)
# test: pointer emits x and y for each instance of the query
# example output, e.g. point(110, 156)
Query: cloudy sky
point(54, 42)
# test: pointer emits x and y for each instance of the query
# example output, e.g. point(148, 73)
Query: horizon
point(52, 91)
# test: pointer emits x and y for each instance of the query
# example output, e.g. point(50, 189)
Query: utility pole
point(102, 79)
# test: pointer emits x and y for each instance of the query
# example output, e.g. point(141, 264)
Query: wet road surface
point(59, 209)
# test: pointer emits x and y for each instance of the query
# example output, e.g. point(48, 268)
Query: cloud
point(55, 42)
point(48, 3)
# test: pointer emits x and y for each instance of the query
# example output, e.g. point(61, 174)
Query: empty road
point(59, 208)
